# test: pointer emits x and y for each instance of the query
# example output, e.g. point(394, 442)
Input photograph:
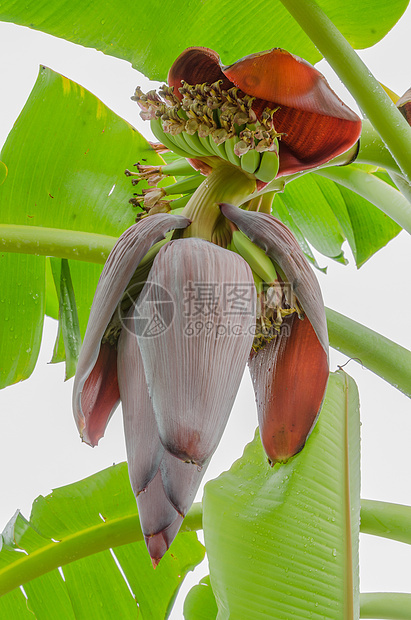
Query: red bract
point(315, 125)
point(290, 373)
point(177, 374)
point(404, 105)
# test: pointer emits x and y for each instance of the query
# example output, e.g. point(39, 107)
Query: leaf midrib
point(115, 532)
point(348, 582)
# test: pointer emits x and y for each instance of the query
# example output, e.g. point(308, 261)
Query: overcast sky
point(40, 445)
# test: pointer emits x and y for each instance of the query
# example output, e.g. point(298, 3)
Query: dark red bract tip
point(196, 65)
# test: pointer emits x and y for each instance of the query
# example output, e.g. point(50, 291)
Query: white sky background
point(40, 447)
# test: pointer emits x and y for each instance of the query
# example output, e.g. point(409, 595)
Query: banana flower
point(185, 301)
point(177, 375)
point(177, 381)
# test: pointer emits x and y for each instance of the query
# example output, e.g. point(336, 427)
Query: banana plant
point(201, 276)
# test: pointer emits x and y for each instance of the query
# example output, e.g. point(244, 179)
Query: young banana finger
point(184, 185)
point(257, 280)
point(164, 138)
point(177, 168)
point(268, 168)
point(255, 257)
point(250, 161)
point(194, 144)
point(206, 145)
point(218, 149)
point(182, 143)
point(229, 149)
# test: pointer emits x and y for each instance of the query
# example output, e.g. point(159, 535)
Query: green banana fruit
point(258, 283)
point(207, 146)
point(182, 143)
point(177, 168)
point(255, 257)
point(268, 168)
point(194, 144)
point(229, 149)
point(218, 149)
point(180, 203)
point(157, 129)
point(257, 280)
point(250, 161)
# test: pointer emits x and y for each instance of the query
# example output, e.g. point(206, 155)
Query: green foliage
point(377, 189)
point(76, 527)
point(283, 542)
point(200, 603)
point(3, 172)
point(387, 359)
point(74, 184)
point(326, 214)
point(68, 336)
point(127, 30)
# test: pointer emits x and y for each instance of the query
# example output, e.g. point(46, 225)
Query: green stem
point(388, 199)
point(402, 184)
point(178, 168)
point(226, 183)
point(105, 535)
point(370, 96)
point(263, 202)
point(388, 605)
point(373, 150)
point(386, 520)
point(387, 359)
point(74, 244)
point(189, 184)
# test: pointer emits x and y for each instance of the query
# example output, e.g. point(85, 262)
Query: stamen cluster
point(274, 303)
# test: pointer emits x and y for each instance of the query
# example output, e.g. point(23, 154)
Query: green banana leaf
point(129, 30)
point(283, 543)
point(324, 214)
point(91, 530)
point(66, 157)
point(3, 172)
point(68, 336)
point(200, 603)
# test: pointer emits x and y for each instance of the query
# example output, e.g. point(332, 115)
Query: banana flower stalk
point(185, 301)
point(177, 372)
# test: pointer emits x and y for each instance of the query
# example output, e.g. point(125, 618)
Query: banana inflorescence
point(192, 130)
